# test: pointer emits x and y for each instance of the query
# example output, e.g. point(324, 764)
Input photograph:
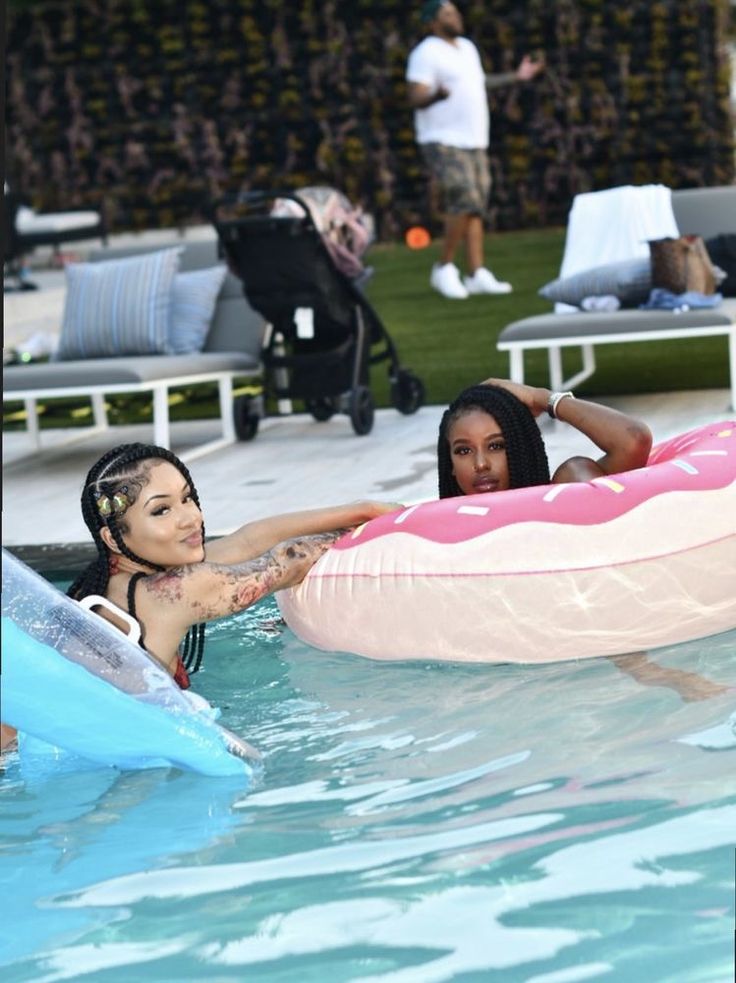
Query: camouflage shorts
point(462, 175)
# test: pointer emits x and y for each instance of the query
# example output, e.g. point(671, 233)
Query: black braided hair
point(525, 452)
point(117, 470)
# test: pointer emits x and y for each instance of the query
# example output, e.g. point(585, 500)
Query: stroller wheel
point(361, 410)
point(245, 418)
point(407, 392)
point(321, 409)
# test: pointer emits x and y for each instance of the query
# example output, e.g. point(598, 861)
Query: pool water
point(413, 823)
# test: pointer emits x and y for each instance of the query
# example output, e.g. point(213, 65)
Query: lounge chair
point(231, 350)
point(707, 212)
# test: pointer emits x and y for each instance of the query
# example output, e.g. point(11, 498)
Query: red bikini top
point(181, 676)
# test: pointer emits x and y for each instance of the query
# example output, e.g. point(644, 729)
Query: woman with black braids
point(141, 506)
point(489, 439)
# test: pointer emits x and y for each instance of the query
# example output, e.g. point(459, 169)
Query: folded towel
point(664, 300)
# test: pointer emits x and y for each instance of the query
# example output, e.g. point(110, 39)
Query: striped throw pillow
point(119, 307)
point(192, 307)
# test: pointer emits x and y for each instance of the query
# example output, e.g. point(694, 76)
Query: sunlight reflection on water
point(414, 823)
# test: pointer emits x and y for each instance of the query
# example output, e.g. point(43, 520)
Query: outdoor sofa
point(707, 212)
point(231, 350)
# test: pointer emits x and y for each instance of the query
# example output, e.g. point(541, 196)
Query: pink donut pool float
point(624, 563)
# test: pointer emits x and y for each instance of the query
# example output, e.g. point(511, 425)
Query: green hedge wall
point(154, 108)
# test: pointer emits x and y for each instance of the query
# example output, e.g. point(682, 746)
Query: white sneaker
point(446, 280)
point(484, 282)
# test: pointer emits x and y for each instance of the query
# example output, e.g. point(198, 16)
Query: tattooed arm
point(205, 591)
point(257, 537)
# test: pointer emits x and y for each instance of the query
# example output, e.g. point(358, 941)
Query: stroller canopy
point(346, 230)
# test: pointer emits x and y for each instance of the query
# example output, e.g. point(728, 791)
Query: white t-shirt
point(461, 120)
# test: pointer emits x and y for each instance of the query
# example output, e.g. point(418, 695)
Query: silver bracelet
point(553, 401)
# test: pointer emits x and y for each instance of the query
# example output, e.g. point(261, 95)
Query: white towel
point(615, 224)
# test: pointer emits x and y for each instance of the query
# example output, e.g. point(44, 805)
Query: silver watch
point(554, 399)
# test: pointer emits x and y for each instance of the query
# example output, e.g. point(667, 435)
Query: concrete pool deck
point(293, 463)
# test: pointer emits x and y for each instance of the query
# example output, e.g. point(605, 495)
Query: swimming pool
point(414, 823)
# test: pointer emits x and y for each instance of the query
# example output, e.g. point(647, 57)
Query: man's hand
point(529, 67)
point(422, 96)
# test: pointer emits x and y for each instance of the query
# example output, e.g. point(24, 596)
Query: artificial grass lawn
point(451, 344)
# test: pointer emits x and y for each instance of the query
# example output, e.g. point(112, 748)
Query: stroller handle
point(259, 198)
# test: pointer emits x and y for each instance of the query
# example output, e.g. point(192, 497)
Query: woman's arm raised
point(625, 441)
point(255, 538)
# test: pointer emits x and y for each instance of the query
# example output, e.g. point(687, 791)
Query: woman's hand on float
point(373, 509)
point(297, 556)
point(239, 747)
point(535, 398)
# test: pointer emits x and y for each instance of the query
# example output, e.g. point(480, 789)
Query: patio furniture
point(26, 229)
point(231, 350)
point(707, 212)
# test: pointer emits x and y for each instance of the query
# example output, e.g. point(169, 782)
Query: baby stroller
point(302, 272)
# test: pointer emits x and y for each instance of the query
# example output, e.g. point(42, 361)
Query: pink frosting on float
point(700, 460)
point(625, 563)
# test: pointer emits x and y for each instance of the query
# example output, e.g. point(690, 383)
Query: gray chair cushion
point(548, 327)
point(235, 327)
point(123, 371)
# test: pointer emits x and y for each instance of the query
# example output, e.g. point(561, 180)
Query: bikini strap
point(191, 655)
point(131, 603)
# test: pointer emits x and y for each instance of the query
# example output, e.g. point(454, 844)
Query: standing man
point(447, 90)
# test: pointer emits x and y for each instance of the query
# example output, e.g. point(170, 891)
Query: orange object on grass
point(417, 237)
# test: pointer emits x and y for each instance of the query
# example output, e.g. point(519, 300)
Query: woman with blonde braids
point(141, 507)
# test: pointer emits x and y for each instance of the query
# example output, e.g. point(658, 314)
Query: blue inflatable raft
point(73, 681)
